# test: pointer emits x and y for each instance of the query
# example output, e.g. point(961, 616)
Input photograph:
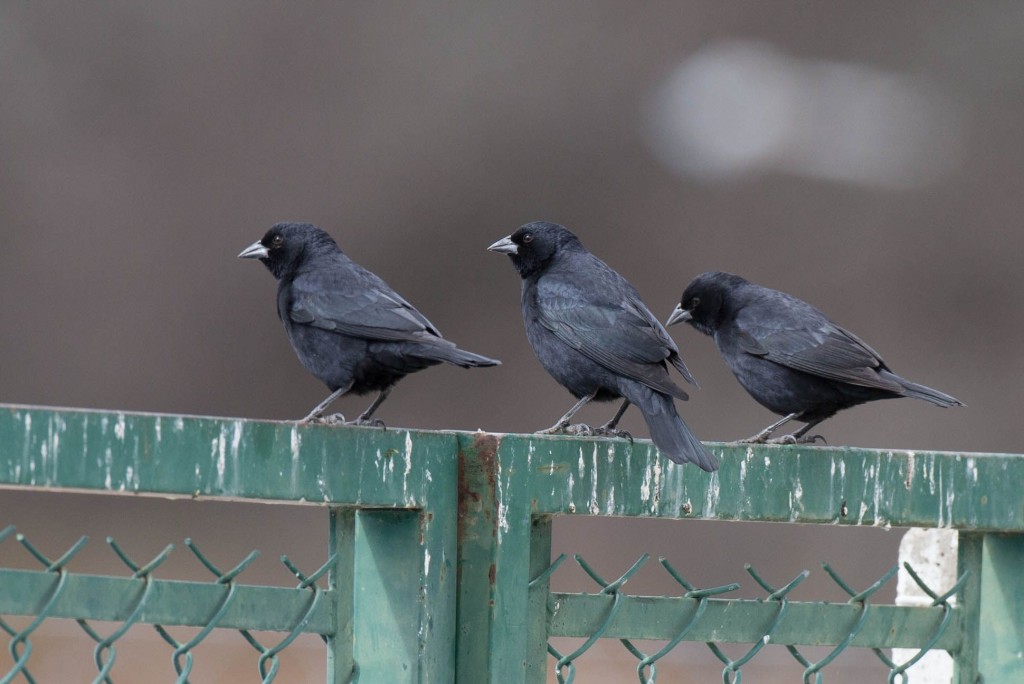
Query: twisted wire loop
point(11, 632)
point(225, 578)
point(20, 638)
point(269, 655)
point(701, 595)
point(566, 662)
point(4, 534)
point(860, 598)
point(732, 667)
point(19, 668)
point(106, 644)
point(947, 616)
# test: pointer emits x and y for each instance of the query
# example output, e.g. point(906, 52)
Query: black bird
point(789, 356)
point(346, 325)
point(593, 334)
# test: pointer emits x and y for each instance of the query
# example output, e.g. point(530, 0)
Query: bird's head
point(706, 303)
point(285, 245)
point(532, 247)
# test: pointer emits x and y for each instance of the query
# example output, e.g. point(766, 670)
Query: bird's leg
point(608, 429)
point(563, 422)
point(762, 436)
point(322, 406)
point(800, 436)
point(364, 417)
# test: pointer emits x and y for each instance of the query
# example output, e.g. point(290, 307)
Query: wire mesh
point(143, 592)
point(732, 672)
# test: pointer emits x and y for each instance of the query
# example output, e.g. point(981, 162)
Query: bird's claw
point(556, 429)
point(793, 439)
point(605, 431)
point(766, 438)
point(580, 430)
point(759, 438)
point(333, 419)
point(366, 422)
point(576, 429)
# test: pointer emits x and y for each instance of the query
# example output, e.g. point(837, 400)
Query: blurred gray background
point(865, 156)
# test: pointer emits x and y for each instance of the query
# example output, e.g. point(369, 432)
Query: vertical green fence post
point(996, 625)
point(340, 580)
point(395, 583)
point(388, 619)
point(993, 605)
point(495, 542)
point(537, 633)
point(1002, 601)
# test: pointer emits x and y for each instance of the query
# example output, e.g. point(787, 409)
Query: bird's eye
point(277, 241)
point(527, 238)
point(694, 303)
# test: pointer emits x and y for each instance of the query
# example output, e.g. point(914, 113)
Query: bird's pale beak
point(679, 315)
point(254, 251)
point(505, 246)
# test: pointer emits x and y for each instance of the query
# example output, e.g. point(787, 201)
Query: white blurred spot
point(739, 106)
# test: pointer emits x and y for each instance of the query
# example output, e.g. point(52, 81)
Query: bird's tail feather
point(668, 431)
point(452, 354)
point(928, 394)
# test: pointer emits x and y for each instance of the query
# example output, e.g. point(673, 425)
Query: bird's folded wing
point(614, 334)
point(819, 347)
point(368, 313)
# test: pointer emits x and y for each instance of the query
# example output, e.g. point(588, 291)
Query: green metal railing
point(438, 559)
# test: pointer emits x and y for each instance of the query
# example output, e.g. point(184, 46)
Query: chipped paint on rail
point(610, 499)
point(110, 451)
point(219, 454)
point(595, 506)
point(645, 486)
point(711, 500)
point(503, 476)
point(408, 469)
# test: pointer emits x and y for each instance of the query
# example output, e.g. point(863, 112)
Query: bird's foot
point(576, 429)
point(556, 429)
point(759, 438)
point(580, 430)
point(333, 419)
point(793, 439)
point(605, 431)
point(367, 422)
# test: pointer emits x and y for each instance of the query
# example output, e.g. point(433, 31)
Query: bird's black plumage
point(348, 328)
point(593, 334)
point(790, 356)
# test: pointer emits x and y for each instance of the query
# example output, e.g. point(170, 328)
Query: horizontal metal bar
point(746, 621)
point(191, 456)
point(803, 484)
point(369, 467)
point(94, 597)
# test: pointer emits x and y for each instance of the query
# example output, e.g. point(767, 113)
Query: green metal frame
point(439, 549)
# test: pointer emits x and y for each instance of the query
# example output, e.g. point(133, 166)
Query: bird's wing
point(356, 303)
point(808, 341)
point(640, 310)
point(620, 334)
